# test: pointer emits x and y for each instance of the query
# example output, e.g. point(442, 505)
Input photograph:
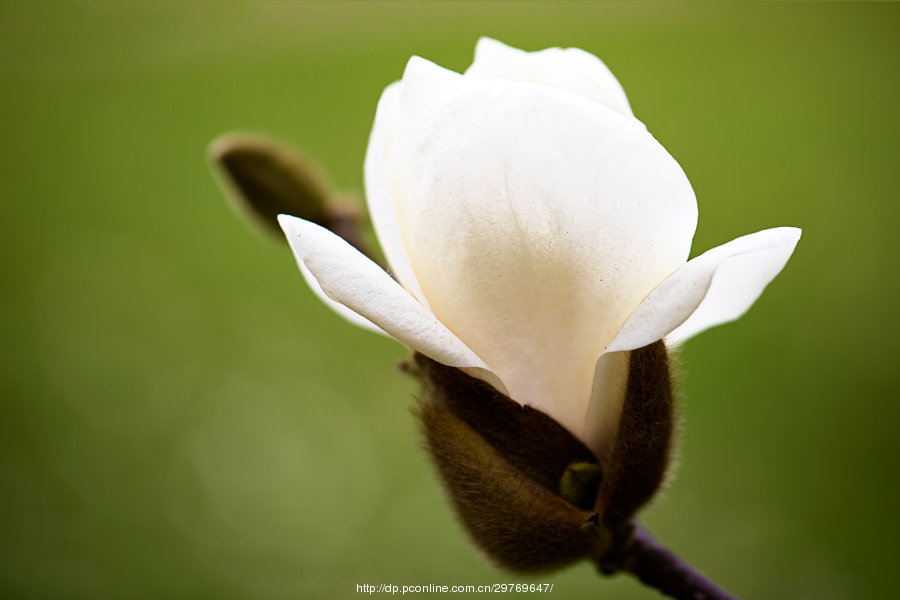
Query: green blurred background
point(181, 418)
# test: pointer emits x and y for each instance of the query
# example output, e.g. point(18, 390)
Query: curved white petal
point(378, 191)
point(337, 307)
point(607, 401)
point(570, 69)
point(535, 220)
point(714, 288)
point(350, 279)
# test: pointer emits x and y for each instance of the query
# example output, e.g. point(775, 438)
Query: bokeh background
point(181, 418)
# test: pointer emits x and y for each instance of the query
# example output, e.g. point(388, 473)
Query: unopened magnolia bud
point(529, 493)
point(266, 178)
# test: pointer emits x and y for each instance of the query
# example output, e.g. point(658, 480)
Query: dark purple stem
point(658, 567)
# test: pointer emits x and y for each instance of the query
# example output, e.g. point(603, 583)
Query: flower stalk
point(645, 558)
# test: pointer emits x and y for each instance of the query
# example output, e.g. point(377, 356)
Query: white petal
point(422, 79)
point(350, 279)
point(337, 307)
point(714, 288)
point(535, 221)
point(607, 400)
point(570, 69)
point(378, 192)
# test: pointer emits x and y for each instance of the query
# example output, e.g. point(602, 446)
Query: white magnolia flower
point(537, 233)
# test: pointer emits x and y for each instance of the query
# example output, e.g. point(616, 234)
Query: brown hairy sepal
point(528, 492)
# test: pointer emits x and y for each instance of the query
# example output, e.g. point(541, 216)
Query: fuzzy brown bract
point(504, 465)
